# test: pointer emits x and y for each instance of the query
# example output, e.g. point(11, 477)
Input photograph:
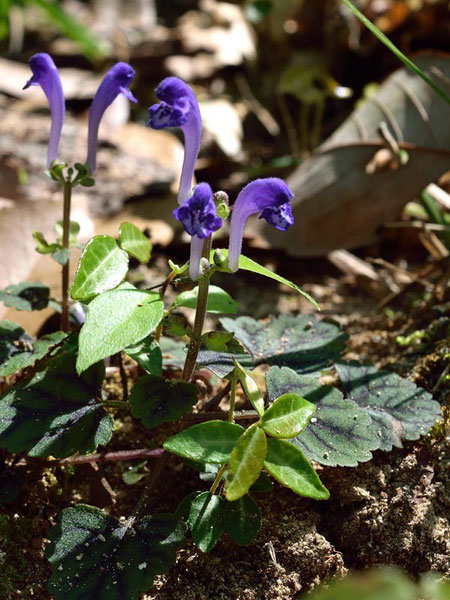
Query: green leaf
point(173, 352)
point(147, 354)
point(74, 231)
point(115, 320)
point(219, 301)
point(27, 354)
point(134, 474)
point(217, 341)
point(247, 264)
point(26, 296)
point(56, 412)
point(339, 433)
point(300, 342)
point(221, 363)
point(250, 388)
point(288, 416)
point(263, 484)
point(399, 410)
point(206, 520)
point(61, 256)
point(242, 520)
point(246, 462)
point(210, 442)
point(13, 340)
point(135, 243)
point(184, 507)
point(102, 267)
point(89, 44)
point(96, 557)
point(43, 247)
point(289, 466)
point(155, 400)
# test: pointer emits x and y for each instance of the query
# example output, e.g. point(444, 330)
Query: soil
point(394, 509)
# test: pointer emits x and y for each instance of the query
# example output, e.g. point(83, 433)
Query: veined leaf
point(242, 520)
point(26, 296)
point(206, 520)
point(148, 355)
point(27, 354)
point(289, 466)
point(97, 557)
point(102, 267)
point(246, 462)
point(288, 416)
point(115, 320)
point(210, 442)
point(134, 242)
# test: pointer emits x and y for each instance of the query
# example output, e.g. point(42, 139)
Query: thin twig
point(217, 399)
point(123, 377)
point(139, 454)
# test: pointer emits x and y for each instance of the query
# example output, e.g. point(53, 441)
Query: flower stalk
point(65, 325)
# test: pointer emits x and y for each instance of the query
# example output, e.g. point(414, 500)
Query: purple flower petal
point(198, 213)
point(271, 197)
point(178, 107)
point(46, 75)
point(115, 82)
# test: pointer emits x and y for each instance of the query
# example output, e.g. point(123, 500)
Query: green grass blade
point(393, 48)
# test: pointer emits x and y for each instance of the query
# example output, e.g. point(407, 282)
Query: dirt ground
point(393, 510)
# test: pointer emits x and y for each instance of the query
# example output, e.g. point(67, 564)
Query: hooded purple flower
point(178, 107)
point(46, 75)
point(115, 82)
point(199, 218)
point(271, 197)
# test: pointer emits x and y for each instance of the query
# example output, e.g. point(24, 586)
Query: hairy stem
point(200, 313)
point(66, 266)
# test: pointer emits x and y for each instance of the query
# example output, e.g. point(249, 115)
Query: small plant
point(56, 407)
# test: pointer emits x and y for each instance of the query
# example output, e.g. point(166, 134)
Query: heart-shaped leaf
point(246, 462)
point(210, 442)
point(219, 301)
point(56, 412)
point(206, 520)
point(242, 520)
point(103, 266)
point(288, 416)
point(300, 342)
point(26, 296)
point(155, 400)
point(97, 557)
point(115, 320)
point(134, 242)
point(398, 408)
point(289, 466)
point(339, 433)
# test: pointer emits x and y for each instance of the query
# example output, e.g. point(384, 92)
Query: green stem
point(163, 291)
point(398, 53)
point(200, 313)
point(66, 266)
point(218, 479)
point(115, 404)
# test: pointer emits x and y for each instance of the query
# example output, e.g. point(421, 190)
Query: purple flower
point(46, 75)
point(115, 82)
point(199, 217)
point(271, 197)
point(178, 107)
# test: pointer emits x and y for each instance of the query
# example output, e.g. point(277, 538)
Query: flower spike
point(115, 82)
point(271, 197)
point(46, 75)
point(199, 218)
point(178, 107)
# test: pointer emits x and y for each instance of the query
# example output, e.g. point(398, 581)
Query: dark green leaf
point(242, 520)
point(246, 462)
point(263, 484)
point(288, 416)
point(28, 353)
point(134, 242)
point(147, 354)
point(288, 465)
point(102, 267)
point(206, 520)
point(340, 433)
point(221, 363)
point(398, 408)
point(219, 301)
point(13, 340)
point(96, 557)
point(173, 352)
point(155, 400)
point(10, 486)
point(184, 508)
point(56, 412)
point(115, 320)
point(26, 296)
point(300, 342)
point(210, 442)
point(134, 474)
